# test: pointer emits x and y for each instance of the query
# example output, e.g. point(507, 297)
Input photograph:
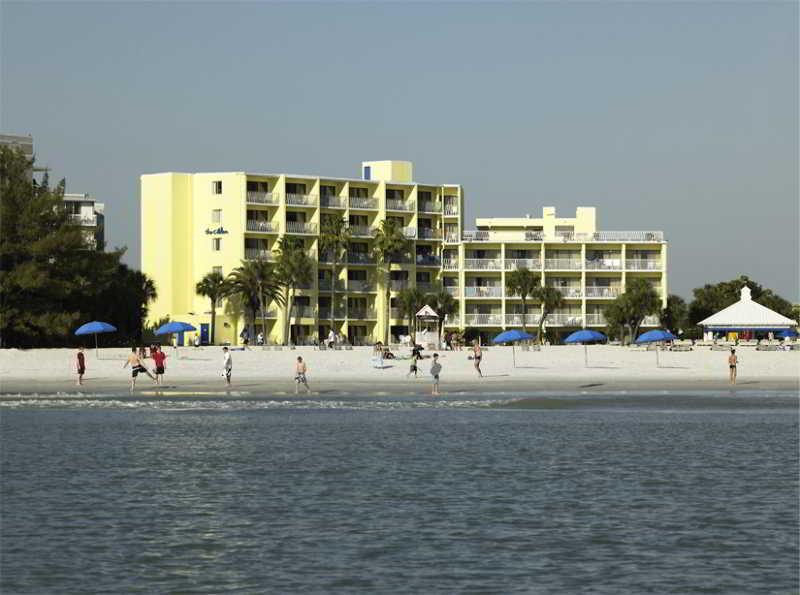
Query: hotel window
point(293, 188)
point(425, 195)
point(216, 216)
point(216, 187)
point(216, 244)
point(253, 186)
point(327, 190)
point(395, 193)
point(356, 192)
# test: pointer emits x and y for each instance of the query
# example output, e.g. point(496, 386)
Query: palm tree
point(295, 269)
point(523, 283)
point(551, 300)
point(411, 300)
point(389, 243)
point(257, 284)
point(334, 240)
point(444, 304)
point(147, 293)
point(213, 286)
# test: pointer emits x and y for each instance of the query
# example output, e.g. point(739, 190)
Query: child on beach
point(300, 371)
point(137, 366)
point(160, 359)
point(436, 369)
point(80, 365)
point(227, 365)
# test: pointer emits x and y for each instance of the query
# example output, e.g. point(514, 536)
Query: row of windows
point(325, 190)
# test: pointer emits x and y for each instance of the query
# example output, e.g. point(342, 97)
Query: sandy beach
point(259, 371)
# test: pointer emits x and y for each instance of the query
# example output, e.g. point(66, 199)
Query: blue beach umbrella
point(95, 328)
point(512, 337)
point(789, 333)
point(585, 336)
point(655, 336)
point(174, 327)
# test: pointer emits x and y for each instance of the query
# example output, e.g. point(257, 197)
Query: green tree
point(257, 284)
point(214, 287)
point(711, 298)
point(523, 283)
point(389, 243)
point(551, 300)
point(444, 304)
point(628, 310)
point(334, 240)
point(411, 300)
point(295, 269)
point(675, 315)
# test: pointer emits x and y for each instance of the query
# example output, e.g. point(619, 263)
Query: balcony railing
point(429, 233)
point(450, 210)
point(430, 206)
point(397, 204)
point(593, 291)
point(451, 237)
point(332, 202)
point(483, 319)
point(483, 264)
point(254, 197)
point(259, 226)
point(652, 320)
point(362, 231)
point(560, 319)
point(401, 259)
point(426, 287)
point(257, 254)
point(627, 236)
point(515, 318)
point(327, 284)
point(267, 314)
point(363, 202)
point(302, 200)
point(538, 236)
point(643, 265)
point(398, 284)
point(523, 263)
point(410, 232)
point(450, 264)
point(359, 285)
point(428, 260)
point(361, 314)
point(300, 227)
point(454, 320)
point(89, 221)
point(564, 264)
point(304, 312)
point(360, 258)
point(594, 319)
point(487, 291)
point(569, 292)
point(604, 265)
point(453, 290)
point(325, 314)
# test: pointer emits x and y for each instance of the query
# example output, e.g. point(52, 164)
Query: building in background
point(196, 223)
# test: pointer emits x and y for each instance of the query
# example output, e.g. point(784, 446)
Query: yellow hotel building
point(195, 223)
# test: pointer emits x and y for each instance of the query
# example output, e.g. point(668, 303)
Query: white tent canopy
point(427, 312)
point(747, 315)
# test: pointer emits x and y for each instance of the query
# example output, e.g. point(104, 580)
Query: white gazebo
point(745, 315)
point(426, 314)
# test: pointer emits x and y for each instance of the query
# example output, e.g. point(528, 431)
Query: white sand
point(50, 370)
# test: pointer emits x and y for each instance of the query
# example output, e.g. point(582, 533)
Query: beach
point(268, 371)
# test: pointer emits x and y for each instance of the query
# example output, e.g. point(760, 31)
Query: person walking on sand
point(436, 369)
point(300, 371)
point(227, 365)
point(733, 361)
point(160, 359)
point(477, 356)
point(415, 357)
point(137, 366)
point(80, 365)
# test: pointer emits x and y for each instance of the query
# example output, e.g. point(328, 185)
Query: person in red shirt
point(160, 359)
point(80, 365)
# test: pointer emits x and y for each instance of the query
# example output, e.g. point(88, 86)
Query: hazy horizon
point(676, 117)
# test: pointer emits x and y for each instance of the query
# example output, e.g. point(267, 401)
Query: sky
point(675, 116)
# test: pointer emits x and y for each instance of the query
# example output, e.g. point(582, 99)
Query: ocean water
point(650, 493)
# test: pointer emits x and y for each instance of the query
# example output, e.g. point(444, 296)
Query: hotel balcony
point(616, 237)
point(396, 313)
point(302, 200)
point(325, 314)
point(643, 265)
point(361, 314)
point(430, 206)
point(254, 197)
point(532, 264)
point(363, 202)
point(362, 231)
point(594, 291)
point(360, 285)
point(87, 221)
point(426, 287)
point(267, 314)
point(454, 320)
point(451, 237)
point(401, 259)
point(483, 264)
point(604, 265)
point(564, 320)
point(453, 290)
point(398, 284)
point(562, 264)
point(483, 319)
point(360, 258)
point(428, 260)
point(327, 284)
point(332, 202)
point(304, 312)
point(515, 318)
point(396, 204)
point(487, 291)
point(260, 226)
point(594, 319)
point(450, 264)
point(450, 210)
point(258, 254)
point(429, 233)
point(570, 292)
point(300, 227)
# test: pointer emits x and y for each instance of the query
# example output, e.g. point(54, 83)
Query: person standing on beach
point(137, 366)
point(160, 359)
point(300, 371)
point(415, 357)
point(436, 369)
point(80, 365)
point(477, 356)
point(733, 361)
point(227, 365)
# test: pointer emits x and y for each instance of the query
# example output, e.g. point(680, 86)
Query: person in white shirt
point(331, 339)
point(227, 364)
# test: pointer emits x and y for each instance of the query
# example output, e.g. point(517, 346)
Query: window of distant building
point(293, 188)
point(356, 192)
point(253, 186)
point(216, 244)
point(327, 190)
point(216, 187)
point(396, 193)
point(216, 216)
point(425, 195)
point(367, 172)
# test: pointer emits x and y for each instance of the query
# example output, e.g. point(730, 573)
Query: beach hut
point(746, 315)
point(425, 314)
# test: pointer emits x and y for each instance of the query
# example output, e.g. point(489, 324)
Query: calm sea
point(641, 494)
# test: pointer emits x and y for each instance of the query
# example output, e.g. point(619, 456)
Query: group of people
point(136, 360)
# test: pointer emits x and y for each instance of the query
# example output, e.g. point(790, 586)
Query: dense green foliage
point(551, 300)
point(51, 280)
point(334, 240)
point(627, 312)
point(213, 286)
point(676, 314)
point(411, 300)
point(256, 284)
point(390, 243)
point(710, 299)
point(295, 269)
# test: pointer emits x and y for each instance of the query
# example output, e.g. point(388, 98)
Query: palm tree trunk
point(213, 319)
point(288, 307)
point(524, 313)
point(263, 307)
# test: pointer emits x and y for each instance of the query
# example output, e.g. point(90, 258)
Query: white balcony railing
point(259, 226)
point(301, 227)
point(426, 287)
point(487, 291)
point(255, 197)
point(523, 263)
point(325, 314)
point(563, 264)
point(361, 314)
point(429, 233)
point(304, 312)
point(397, 204)
point(451, 237)
point(604, 264)
point(453, 290)
point(363, 202)
point(483, 319)
point(626, 236)
point(267, 314)
point(515, 318)
point(483, 264)
point(450, 210)
point(594, 291)
point(643, 265)
point(450, 264)
point(569, 292)
point(595, 319)
point(362, 231)
point(398, 284)
point(454, 320)
point(302, 200)
point(87, 220)
point(561, 319)
point(563, 237)
point(327, 284)
point(332, 202)
point(257, 254)
point(428, 260)
point(360, 258)
point(428, 206)
point(359, 285)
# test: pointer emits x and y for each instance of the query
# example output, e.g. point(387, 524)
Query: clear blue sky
point(679, 116)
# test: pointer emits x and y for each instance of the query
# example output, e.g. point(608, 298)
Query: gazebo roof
point(747, 314)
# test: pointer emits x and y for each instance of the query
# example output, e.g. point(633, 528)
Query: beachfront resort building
point(194, 223)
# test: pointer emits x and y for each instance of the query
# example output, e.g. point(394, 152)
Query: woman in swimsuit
point(733, 360)
point(477, 355)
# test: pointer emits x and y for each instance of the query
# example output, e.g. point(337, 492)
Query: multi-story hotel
point(196, 223)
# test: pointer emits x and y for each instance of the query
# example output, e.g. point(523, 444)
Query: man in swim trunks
point(160, 359)
point(300, 371)
point(80, 365)
point(137, 366)
point(227, 365)
point(436, 369)
point(733, 360)
point(477, 356)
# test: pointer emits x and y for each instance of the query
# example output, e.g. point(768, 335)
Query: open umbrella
point(789, 333)
point(95, 328)
point(656, 336)
point(174, 327)
point(512, 337)
point(586, 336)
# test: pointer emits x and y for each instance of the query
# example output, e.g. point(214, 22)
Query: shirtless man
point(300, 371)
point(135, 362)
point(733, 360)
point(477, 356)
